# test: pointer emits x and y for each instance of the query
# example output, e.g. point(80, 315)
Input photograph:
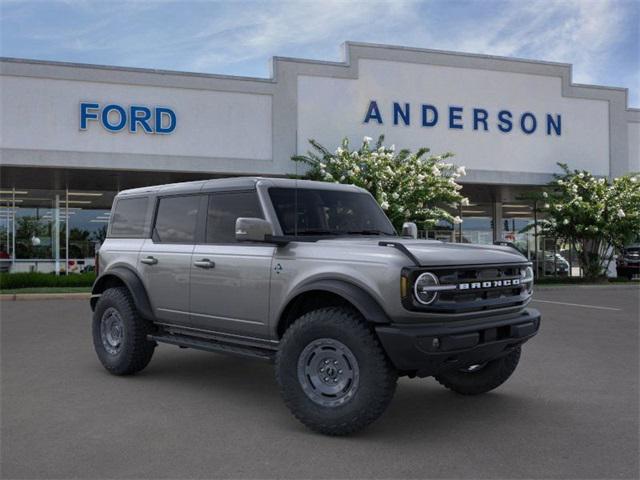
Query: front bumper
point(427, 350)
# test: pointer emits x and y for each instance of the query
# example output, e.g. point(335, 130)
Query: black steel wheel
point(120, 333)
point(481, 378)
point(332, 372)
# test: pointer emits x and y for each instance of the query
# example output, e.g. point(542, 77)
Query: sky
point(601, 38)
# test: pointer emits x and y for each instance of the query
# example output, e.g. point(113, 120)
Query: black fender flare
point(132, 281)
point(357, 296)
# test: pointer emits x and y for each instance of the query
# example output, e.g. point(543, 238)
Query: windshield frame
point(387, 229)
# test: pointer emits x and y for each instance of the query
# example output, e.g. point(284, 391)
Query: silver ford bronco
point(313, 277)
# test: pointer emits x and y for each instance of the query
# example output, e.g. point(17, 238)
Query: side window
point(176, 219)
point(225, 209)
point(128, 217)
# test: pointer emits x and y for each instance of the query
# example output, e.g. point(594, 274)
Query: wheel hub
point(328, 372)
point(111, 330)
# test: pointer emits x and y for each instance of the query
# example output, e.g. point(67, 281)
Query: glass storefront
point(52, 230)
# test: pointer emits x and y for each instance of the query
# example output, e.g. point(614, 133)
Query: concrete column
point(498, 226)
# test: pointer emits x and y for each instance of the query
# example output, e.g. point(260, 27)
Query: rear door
point(230, 280)
point(165, 258)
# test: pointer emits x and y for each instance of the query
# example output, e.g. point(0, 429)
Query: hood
point(436, 253)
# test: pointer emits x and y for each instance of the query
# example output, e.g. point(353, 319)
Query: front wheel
point(332, 372)
point(482, 378)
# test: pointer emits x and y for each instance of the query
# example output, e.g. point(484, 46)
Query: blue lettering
point(85, 114)
point(373, 112)
point(480, 115)
point(105, 118)
point(455, 113)
point(504, 117)
point(425, 115)
point(557, 125)
point(139, 115)
point(523, 123)
point(399, 112)
point(162, 112)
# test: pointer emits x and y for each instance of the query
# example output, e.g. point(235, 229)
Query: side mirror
point(252, 229)
point(410, 229)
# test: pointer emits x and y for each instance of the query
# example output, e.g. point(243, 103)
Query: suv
point(628, 263)
point(313, 277)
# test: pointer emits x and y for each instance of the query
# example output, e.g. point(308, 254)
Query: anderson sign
point(460, 118)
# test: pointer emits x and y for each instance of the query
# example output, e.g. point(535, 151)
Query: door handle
point(204, 263)
point(149, 260)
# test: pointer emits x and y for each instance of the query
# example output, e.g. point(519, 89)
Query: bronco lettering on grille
point(512, 282)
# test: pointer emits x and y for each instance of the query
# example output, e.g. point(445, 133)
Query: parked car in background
point(628, 262)
point(5, 261)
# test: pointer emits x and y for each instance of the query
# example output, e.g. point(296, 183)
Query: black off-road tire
point(485, 379)
point(135, 351)
point(376, 382)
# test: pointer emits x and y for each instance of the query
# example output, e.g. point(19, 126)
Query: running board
point(215, 346)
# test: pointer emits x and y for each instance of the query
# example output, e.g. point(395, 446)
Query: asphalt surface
point(570, 410)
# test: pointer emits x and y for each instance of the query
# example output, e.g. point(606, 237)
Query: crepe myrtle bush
point(596, 216)
point(408, 186)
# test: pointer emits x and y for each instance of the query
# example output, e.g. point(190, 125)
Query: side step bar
point(186, 341)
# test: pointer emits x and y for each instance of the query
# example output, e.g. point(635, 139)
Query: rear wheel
point(120, 333)
point(332, 372)
point(481, 378)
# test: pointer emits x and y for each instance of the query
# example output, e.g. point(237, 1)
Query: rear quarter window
point(128, 218)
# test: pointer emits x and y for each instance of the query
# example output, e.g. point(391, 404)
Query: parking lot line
point(577, 305)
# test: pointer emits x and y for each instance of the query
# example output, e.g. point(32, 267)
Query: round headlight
point(424, 290)
point(527, 274)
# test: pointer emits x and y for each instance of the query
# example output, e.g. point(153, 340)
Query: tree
point(595, 215)
point(408, 186)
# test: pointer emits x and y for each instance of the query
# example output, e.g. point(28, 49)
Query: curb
point(44, 296)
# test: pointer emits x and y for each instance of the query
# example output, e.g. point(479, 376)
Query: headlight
point(527, 278)
point(425, 288)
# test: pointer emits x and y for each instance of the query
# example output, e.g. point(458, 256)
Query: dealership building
point(73, 135)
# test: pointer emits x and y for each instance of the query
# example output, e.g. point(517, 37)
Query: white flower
point(457, 220)
point(565, 221)
point(545, 195)
point(633, 179)
point(435, 170)
point(464, 202)
point(581, 175)
point(461, 171)
point(339, 151)
point(621, 213)
point(384, 205)
point(546, 205)
point(395, 195)
point(392, 148)
point(367, 139)
point(560, 182)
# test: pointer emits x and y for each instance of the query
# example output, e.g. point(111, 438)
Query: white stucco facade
point(235, 125)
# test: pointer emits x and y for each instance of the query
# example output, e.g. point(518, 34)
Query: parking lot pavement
point(570, 410)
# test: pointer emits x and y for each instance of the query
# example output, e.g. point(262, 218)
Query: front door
point(230, 280)
point(165, 259)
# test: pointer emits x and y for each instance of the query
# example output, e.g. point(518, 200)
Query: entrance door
point(230, 280)
point(165, 259)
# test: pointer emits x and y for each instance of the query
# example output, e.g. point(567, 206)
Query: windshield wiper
point(320, 232)
point(367, 232)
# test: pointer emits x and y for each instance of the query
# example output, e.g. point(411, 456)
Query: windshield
point(317, 212)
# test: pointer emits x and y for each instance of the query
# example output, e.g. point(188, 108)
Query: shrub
point(35, 279)
point(595, 215)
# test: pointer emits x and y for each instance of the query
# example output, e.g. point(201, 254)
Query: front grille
point(473, 288)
